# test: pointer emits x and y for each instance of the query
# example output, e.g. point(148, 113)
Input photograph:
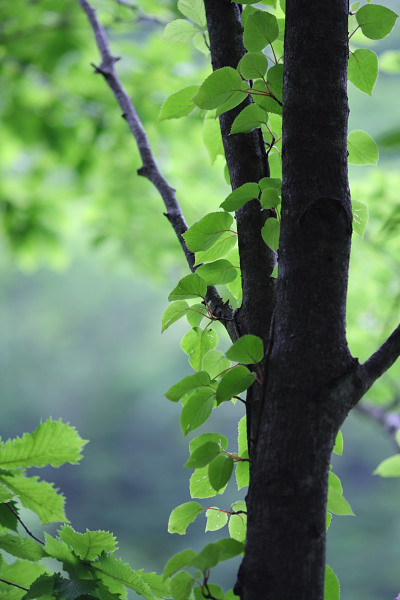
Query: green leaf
point(261, 29)
point(376, 21)
point(238, 523)
point(194, 10)
point(243, 471)
point(182, 516)
point(229, 548)
point(242, 435)
point(363, 69)
point(390, 467)
point(360, 217)
point(218, 438)
point(179, 104)
point(21, 572)
point(182, 585)
point(196, 342)
point(362, 148)
point(328, 520)
point(173, 313)
point(89, 545)
point(217, 272)
point(271, 233)
point(337, 504)
point(200, 486)
point(332, 586)
point(179, 30)
point(203, 455)
point(339, 444)
point(196, 313)
point(253, 65)
point(197, 409)
point(5, 495)
point(261, 98)
point(191, 286)
point(221, 86)
point(212, 139)
point(22, 547)
point(61, 552)
point(115, 574)
point(52, 443)
point(214, 553)
point(275, 81)
point(215, 363)
point(203, 234)
point(220, 471)
point(178, 561)
point(187, 384)
point(271, 192)
point(234, 382)
point(248, 349)
point(219, 249)
point(251, 117)
point(239, 197)
point(39, 496)
point(216, 519)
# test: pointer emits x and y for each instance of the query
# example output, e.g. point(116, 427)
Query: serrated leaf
point(8, 518)
point(234, 382)
point(212, 139)
point(218, 272)
point(332, 586)
point(5, 495)
point(183, 515)
point(200, 486)
point(219, 249)
point(22, 547)
point(238, 523)
point(89, 545)
point(362, 148)
point(20, 572)
point(196, 342)
point(360, 217)
point(39, 496)
point(203, 455)
point(179, 30)
point(60, 551)
point(42, 586)
point(363, 69)
point(194, 10)
point(220, 471)
point(218, 438)
point(250, 118)
point(215, 363)
point(376, 21)
point(52, 443)
point(253, 65)
point(173, 313)
point(197, 409)
point(239, 197)
point(196, 313)
point(337, 504)
point(179, 104)
point(191, 286)
point(178, 561)
point(187, 384)
point(271, 233)
point(204, 233)
point(248, 349)
point(390, 467)
point(261, 29)
point(182, 585)
point(115, 573)
point(339, 444)
point(216, 519)
point(221, 86)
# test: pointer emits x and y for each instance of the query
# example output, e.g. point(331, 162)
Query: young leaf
point(196, 313)
point(242, 435)
point(363, 69)
point(271, 233)
point(182, 516)
point(243, 471)
point(200, 486)
point(203, 234)
point(220, 471)
point(217, 272)
point(203, 455)
point(376, 21)
point(194, 10)
point(187, 384)
point(238, 523)
point(332, 586)
point(89, 545)
point(191, 286)
point(360, 217)
point(173, 312)
point(251, 117)
point(219, 249)
point(339, 444)
point(271, 192)
point(178, 561)
point(261, 29)
point(196, 342)
point(21, 547)
point(221, 86)
point(248, 349)
point(215, 362)
point(234, 382)
point(179, 30)
point(390, 467)
point(253, 65)
point(219, 439)
point(182, 585)
point(216, 519)
point(52, 443)
point(179, 104)
point(239, 197)
point(362, 148)
point(197, 409)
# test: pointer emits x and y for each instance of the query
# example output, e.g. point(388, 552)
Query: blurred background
point(87, 260)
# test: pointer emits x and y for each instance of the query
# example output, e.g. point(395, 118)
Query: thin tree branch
point(149, 168)
point(381, 360)
point(28, 531)
point(14, 585)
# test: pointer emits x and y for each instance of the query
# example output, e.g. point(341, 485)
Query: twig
point(20, 587)
point(28, 531)
point(381, 360)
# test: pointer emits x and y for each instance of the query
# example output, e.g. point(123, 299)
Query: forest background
point(87, 261)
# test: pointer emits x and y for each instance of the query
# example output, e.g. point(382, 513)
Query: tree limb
point(381, 360)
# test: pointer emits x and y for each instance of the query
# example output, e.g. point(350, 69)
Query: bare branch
point(150, 168)
point(381, 360)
